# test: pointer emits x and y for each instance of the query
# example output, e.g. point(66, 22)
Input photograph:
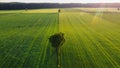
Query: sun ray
point(97, 16)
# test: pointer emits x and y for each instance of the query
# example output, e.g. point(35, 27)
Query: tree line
point(11, 6)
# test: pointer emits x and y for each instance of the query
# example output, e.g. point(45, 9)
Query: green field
point(92, 39)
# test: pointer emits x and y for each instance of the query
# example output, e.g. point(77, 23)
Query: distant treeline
point(11, 6)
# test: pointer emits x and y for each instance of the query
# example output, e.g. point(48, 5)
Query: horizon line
point(61, 2)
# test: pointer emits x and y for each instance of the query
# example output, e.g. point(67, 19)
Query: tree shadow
point(49, 56)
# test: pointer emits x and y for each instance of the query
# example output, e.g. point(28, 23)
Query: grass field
point(92, 39)
point(30, 11)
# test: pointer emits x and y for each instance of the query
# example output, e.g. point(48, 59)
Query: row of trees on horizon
point(11, 6)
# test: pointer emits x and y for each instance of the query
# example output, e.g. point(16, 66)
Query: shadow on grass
point(50, 58)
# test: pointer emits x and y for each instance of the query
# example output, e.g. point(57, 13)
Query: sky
point(63, 1)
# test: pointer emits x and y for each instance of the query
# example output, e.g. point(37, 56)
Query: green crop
point(92, 40)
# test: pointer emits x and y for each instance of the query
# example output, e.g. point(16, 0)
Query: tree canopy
point(57, 39)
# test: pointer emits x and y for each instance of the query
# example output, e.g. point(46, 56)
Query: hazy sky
point(62, 1)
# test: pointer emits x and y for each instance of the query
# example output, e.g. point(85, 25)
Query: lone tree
point(57, 41)
point(118, 9)
point(59, 11)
